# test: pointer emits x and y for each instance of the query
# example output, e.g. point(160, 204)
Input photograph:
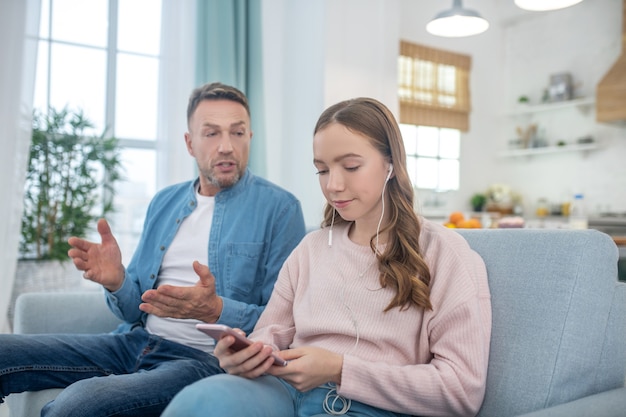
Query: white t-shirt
point(190, 244)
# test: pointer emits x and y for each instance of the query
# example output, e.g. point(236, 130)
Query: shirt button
point(152, 276)
point(162, 248)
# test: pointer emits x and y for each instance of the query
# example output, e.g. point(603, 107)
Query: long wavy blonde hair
point(401, 265)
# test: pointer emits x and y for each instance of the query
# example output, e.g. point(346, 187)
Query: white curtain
point(19, 23)
point(176, 80)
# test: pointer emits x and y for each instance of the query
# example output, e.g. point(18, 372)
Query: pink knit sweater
point(410, 361)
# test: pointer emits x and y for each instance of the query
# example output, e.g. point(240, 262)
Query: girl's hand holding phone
point(238, 355)
point(309, 367)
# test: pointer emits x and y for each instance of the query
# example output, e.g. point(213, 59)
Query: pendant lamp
point(544, 5)
point(457, 22)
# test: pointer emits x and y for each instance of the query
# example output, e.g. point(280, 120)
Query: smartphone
point(217, 331)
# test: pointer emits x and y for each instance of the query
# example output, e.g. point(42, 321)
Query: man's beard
point(221, 182)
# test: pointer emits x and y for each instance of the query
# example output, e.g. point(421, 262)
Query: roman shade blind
point(433, 87)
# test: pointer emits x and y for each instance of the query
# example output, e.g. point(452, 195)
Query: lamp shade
point(544, 5)
point(457, 22)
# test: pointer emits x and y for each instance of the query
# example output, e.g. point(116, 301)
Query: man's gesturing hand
point(100, 262)
point(198, 302)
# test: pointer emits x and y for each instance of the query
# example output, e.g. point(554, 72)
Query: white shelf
point(548, 150)
point(525, 109)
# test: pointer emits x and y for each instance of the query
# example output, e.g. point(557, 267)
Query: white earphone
point(330, 230)
point(390, 172)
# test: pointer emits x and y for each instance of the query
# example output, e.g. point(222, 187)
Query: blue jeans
point(129, 374)
point(267, 396)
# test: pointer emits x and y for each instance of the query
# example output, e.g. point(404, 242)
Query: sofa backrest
point(63, 312)
point(559, 317)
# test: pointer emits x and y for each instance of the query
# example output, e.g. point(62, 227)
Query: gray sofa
point(558, 346)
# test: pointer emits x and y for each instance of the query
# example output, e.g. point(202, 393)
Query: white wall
point(324, 51)
point(293, 43)
point(361, 51)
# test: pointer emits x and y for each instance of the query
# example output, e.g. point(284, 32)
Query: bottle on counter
point(542, 209)
point(578, 213)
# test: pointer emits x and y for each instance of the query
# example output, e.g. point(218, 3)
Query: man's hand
point(198, 302)
point(101, 262)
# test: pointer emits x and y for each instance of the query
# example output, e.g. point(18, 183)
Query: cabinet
point(558, 116)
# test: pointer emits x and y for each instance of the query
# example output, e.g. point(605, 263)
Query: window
point(102, 56)
point(433, 89)
point(432, 156)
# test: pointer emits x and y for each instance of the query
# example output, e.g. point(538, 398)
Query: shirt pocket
point(244, 269)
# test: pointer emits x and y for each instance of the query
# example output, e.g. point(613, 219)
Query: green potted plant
point(478, 201)
point(69, 183)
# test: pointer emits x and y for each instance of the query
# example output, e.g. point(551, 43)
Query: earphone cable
point(330, 231)
point(382, 214)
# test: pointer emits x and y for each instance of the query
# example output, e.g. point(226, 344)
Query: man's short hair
point(215, 91)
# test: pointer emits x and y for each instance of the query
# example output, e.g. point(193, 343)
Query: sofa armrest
point(63, 312)
point(606, 404)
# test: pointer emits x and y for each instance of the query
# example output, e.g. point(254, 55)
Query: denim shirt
point(256, 225)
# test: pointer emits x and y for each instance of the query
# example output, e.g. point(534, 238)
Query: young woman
point(379, 313)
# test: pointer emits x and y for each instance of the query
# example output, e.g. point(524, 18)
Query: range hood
point(611, 91)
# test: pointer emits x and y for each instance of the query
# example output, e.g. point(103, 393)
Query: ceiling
point(509, 12)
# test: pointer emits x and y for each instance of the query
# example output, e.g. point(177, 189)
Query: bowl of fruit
point(458, 220)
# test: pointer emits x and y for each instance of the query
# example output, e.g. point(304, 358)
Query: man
point(210, 251)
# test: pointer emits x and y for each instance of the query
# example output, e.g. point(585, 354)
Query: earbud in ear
point(390, 172)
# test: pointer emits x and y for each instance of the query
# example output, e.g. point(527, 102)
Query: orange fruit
point(469, 224)
point(456, 217)
point(464, 224)
point(475, 223)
